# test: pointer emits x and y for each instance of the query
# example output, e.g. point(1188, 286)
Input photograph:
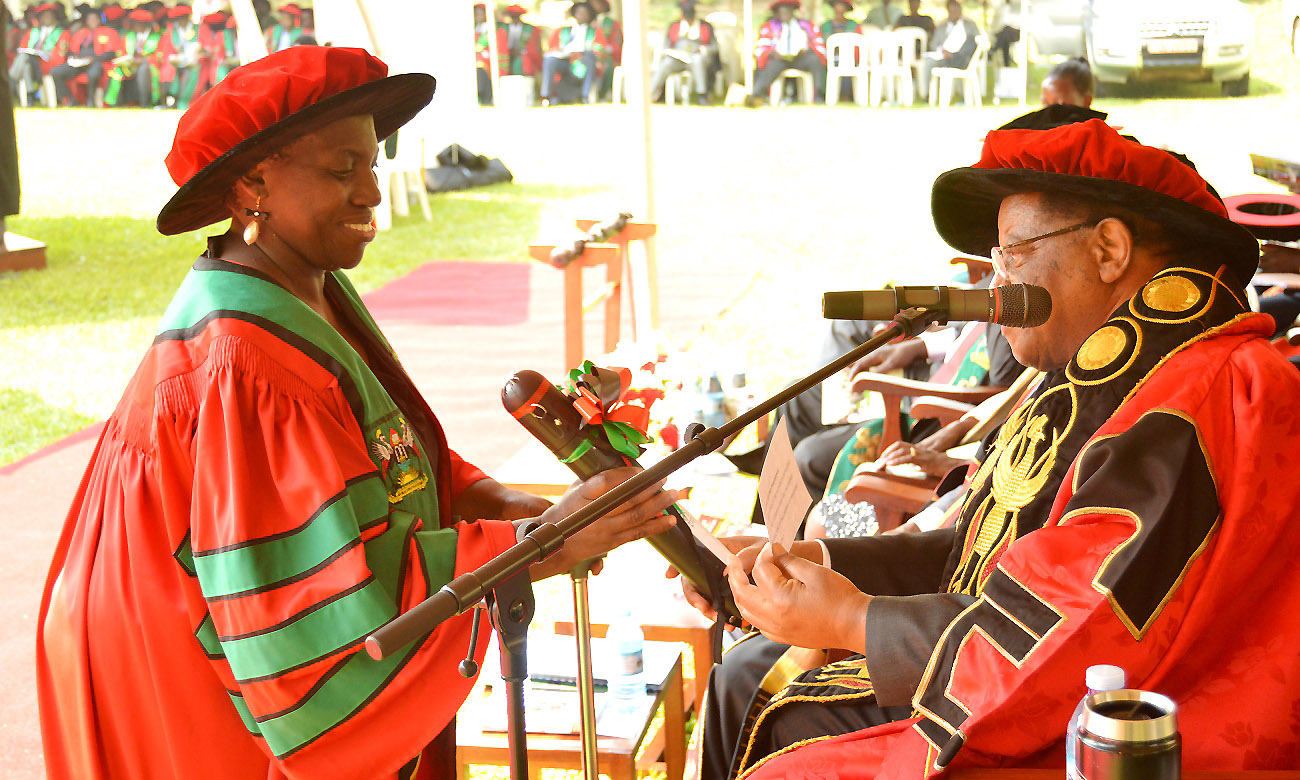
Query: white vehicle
point(1152, 40)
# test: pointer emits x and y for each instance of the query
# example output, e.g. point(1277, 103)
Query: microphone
point(549, 415)
point(1012, 305)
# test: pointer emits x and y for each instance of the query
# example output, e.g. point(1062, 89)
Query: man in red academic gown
point(1129, 513)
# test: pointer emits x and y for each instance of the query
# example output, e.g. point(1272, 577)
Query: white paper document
point(781, 491)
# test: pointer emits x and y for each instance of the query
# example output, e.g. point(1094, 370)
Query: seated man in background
point(134, 76)
point(482, 55)
point(1006, 31)
point(519, 44)
point(786, 42)
point(35, 49)
point(1130, 512)
point(288, 26)
point(884, 16)
point(178, 74)
point(914, 18)
point(90, 48)
point(576, 51)
point(612, 30)
point(689, 44)
point(1069, 82)
point(952, 45)
point(219, 51)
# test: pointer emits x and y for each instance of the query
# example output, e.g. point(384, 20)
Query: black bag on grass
point(460, 169)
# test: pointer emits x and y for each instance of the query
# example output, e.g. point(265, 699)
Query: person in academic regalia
point(689, 44)
point(137, 65)
point(218, 49)
point(576, 53)
point(839, 21)
point(786, 41)
point(286, 29)
point(482, 55)
point(35, 50)
point(272, 487)
point(91, 49)
point(612, 30)
point(178, 74)
point(519, 44)
point(1129, 512)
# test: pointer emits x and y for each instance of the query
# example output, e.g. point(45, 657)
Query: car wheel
point(1237, 88)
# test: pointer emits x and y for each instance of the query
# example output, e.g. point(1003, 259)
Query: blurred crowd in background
point(148, 55)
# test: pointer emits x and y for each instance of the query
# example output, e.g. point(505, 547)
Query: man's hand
point(746, 547)
point(891, 357)
point(638, 517)
point(935, 463)
point(798, 602)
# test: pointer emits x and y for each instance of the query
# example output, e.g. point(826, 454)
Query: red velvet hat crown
point(216, 18)
point(140, 15)
point(178, 12)
point(1088, 159)
point(516, 10)
point(291, 8)
point(264, 105)
point(113, 12)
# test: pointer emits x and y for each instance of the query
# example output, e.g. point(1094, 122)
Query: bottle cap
point(1104, 677)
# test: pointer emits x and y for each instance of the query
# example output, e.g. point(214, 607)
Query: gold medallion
point(1102, 348)
point(1171, 293)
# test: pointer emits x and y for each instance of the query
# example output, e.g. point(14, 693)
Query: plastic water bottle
point(715, 412)
point(1102, 677)
point(627, 667)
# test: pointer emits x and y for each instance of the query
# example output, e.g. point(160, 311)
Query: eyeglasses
point(1008, 257)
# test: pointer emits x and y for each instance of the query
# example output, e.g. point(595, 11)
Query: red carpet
point(461, 329)
point(456, 293)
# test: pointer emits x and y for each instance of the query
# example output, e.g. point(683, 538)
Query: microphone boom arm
point(541, 539)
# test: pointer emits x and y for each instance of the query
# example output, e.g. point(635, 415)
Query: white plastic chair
point(971, 76)
point(894, 55)
point(516, 91)
point(616, 86)
point(806, 86)
point(678, 88)
point(400, 177)
point(847, 57)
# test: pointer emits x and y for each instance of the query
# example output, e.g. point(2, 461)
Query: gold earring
point(253, 228)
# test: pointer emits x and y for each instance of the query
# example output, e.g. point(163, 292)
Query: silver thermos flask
point(1128, 735)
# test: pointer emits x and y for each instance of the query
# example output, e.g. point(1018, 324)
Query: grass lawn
point(820, 198)
point(74, 331)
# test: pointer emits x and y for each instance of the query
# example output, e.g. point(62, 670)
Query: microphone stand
point(512, 595)
point(586, 680)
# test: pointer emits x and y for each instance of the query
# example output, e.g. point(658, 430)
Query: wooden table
point(479, 742)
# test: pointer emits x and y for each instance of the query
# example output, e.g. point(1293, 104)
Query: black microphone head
point(1023, 305)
